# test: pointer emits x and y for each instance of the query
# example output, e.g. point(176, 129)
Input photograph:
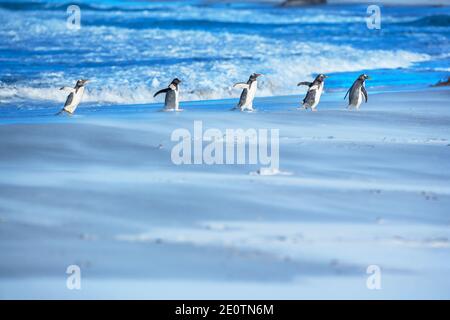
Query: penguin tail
point(59, 112)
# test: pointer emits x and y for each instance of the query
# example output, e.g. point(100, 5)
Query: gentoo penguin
point(172, 92)
point(357, 90)
point(315, 90)
point(74, 98)
point(248, 92)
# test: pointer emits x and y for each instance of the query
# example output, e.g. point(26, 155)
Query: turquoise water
point(131, 49)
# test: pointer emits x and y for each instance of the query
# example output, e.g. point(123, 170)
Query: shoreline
point(333, 100)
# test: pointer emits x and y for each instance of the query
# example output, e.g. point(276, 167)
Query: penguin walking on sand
point(172, 100)
point(314, 93)
point(75, 96)
point(357, 91)
point(248, 93)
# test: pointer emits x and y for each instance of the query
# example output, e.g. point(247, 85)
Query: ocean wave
point(430, 21)
point(61, 6)
point(190, 14)
point(200, 13)
point(213, 79)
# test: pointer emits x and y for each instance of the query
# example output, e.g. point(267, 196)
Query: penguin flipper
point(241, 85)
point(348, 91)
point(67, 89)
point(304, 83)
point(161, 91)
point(69, 100)
point(363, 90)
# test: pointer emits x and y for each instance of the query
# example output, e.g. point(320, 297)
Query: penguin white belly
point(177, 99)
point(248, 104)
point(75, 101)
point(317, 97)
point(359, 99)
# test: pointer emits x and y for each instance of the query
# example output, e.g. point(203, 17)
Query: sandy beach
point(354, 189)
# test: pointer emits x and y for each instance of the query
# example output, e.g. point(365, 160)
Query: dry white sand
point(99, 190)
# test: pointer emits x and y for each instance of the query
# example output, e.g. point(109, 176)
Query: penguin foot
point(247, 109)
point(63, 111)
point(171, 110)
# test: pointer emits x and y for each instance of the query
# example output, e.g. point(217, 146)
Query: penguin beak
point(258, 74)
point(326, 76)
point(368, 78)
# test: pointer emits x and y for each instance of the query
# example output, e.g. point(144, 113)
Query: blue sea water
point(131, 49)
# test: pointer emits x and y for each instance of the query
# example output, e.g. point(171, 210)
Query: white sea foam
point(214, 80)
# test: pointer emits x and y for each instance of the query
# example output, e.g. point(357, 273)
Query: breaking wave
point(214, 79)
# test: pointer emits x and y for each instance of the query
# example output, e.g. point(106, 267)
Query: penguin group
point(315, 89)
point(357, 93)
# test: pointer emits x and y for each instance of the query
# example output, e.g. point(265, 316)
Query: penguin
point(74, 98)
point(356, 92)
point(248, 93)
point(172, 102)
point(314, 93)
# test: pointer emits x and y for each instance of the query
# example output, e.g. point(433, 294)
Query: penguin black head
point(176, 81)
point(321, 77)
point(81, 83)
point(363, 77)
point(254, 76)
